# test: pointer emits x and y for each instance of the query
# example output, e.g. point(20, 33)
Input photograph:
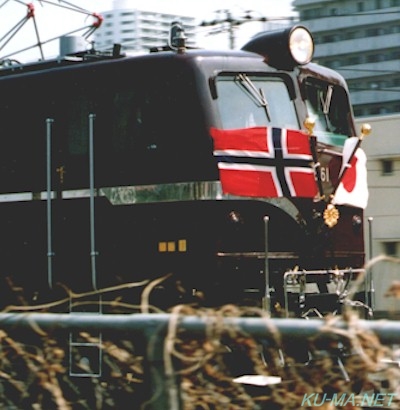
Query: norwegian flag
point(264, 162)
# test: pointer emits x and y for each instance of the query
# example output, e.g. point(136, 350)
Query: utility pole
point(232, 22)
point(231, 29)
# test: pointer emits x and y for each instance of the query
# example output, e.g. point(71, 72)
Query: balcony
point(358, 45)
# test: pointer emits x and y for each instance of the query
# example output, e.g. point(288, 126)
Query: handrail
point(93, 252)
point(388, 331)
point(50, 253)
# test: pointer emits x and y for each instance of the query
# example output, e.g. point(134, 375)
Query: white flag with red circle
point(353, 188)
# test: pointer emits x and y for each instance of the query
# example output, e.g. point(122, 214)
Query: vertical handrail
point(370, 302)
point(285, 293)
point(267, 296)
point(75, 343)
point(93, 252)
point(93, 370)
point(50, 253)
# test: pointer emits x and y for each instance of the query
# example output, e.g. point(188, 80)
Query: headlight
point(283, 49)
point(301, 45)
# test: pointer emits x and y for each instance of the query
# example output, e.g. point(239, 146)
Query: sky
point(53, 21)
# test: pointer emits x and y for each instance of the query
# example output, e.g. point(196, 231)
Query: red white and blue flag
point(265, 162)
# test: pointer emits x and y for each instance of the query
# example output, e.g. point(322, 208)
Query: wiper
point(326, 102)
point(257, 94)
point(326, 105)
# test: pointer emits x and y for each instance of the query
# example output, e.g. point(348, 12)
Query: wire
point(68, 6)
point(30, 14)
point(4, 3)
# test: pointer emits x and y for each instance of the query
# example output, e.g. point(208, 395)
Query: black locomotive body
point(107, 176)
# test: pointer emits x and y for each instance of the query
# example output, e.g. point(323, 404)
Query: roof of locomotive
point(212, 61)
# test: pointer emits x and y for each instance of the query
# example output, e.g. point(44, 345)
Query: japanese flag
point(353, 189)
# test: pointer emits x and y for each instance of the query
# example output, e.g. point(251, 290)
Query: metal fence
point(153, 329)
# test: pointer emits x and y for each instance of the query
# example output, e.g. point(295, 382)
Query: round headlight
point(301, 45)
point(283, 49)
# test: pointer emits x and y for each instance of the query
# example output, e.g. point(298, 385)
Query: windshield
point(246, 101)
point(329, 106)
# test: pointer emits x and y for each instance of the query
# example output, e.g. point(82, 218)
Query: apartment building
point(138, 30)
point(360, 39)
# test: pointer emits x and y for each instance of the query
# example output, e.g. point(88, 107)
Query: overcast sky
point(53, 21)
point(197, 8)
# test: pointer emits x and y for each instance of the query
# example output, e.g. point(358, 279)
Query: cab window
point(249, 101)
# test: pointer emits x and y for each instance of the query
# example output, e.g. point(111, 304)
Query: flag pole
point(365, 130)
point(309, 124)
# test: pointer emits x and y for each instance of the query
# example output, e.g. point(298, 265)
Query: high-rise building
point(138, 30)
point(360, 39)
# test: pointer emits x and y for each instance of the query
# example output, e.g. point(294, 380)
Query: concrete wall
point(382, 147)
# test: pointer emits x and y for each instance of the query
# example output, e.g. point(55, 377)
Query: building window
point(354, 60)
point(350, 35)
point(390, 248)
point(311, 14)
point(331, 38)
point(358, 112)
point(372, 32)
point(335, 64)
point(360, 6)
point(387, 167)
point(375, 58)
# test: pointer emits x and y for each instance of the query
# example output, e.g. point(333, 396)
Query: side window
point(329, 105)
point(77, 111)
point(132, 132)
point(126, 121)
point(22, 141)
point(72, 107)
point(148, 128)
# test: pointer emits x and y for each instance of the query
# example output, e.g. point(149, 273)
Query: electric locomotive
point(115, 169)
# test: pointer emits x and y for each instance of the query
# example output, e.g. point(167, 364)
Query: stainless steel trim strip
point(181, 191)
point(145, 194)
point(18, 197)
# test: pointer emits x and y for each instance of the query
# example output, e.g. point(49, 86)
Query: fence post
point(164, 391)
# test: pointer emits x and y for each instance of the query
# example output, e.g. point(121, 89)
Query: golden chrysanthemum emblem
point(331, 215)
